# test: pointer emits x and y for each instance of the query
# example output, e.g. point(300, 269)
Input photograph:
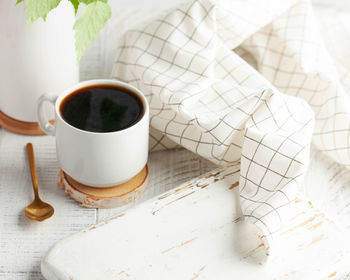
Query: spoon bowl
point(37, 210)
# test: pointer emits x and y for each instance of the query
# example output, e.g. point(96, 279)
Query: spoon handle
point(30, 152)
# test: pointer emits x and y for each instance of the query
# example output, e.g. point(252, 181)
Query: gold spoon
point(37, 210)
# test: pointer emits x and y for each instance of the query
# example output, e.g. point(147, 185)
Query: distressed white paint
point(194, 232)
point(23, 243)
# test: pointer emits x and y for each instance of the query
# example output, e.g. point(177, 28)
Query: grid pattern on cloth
point(290, 53)
point(242, 81)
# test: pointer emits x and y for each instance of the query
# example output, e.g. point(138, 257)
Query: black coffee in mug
point(101, 108)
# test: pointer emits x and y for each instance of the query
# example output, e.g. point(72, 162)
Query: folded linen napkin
point(242, 81)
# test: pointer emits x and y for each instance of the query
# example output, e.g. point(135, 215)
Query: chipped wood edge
point(93, 201)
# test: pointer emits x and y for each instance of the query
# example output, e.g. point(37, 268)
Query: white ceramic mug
point(98, 159)
point(32, 55)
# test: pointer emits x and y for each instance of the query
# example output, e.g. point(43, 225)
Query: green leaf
point(19, 1)
point(39, 8)
point(87, 2)
point(75, 4)
point(93, 19)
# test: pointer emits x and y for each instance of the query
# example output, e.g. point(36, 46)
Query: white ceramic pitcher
point(34, 59)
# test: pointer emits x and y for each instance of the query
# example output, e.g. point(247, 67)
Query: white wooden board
point(195, 232)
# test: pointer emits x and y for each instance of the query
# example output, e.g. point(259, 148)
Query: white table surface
point(23, 242)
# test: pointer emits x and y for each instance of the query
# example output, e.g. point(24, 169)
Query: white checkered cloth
point(242, 81)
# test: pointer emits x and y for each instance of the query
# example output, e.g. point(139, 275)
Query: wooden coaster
point(20, 127)
point(110, 197)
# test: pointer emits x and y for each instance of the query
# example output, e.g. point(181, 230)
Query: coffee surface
point(101, 108)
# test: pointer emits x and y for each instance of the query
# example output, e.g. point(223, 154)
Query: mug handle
point(44, 124)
